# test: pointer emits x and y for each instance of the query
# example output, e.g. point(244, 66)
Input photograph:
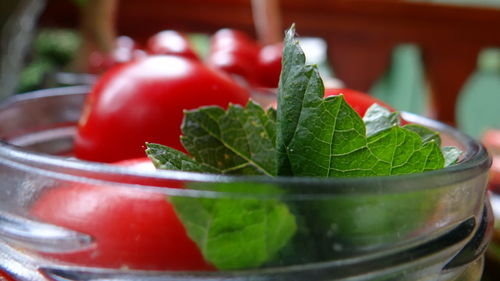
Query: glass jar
point(428, 226)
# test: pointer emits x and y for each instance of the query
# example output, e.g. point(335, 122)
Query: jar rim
point(475, 161)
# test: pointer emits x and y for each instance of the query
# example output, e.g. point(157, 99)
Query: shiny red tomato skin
point(359, 101)
point(131, 228)
point(269, 65)
point(234, 40)
point(125, 50)
point(235, 53)
point(143, 101)
point(6, 277)
point(171, 42)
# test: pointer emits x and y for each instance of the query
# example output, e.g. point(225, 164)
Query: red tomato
point(235, 53)
point(125, 50)
point(359, 101)
point(495, 173)
point(491, 140)
point(6, 277)
point(269, 65)
point(170, 42)
point(234, 40)
point(132, 228)
point(139, 164)
point(143, 101)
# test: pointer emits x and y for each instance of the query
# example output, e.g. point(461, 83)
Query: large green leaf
point(325, 137)
point(295, 80)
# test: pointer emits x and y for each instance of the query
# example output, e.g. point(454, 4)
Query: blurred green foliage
point(403, 85)
point(80, 2)
point(479, 101)
point(52, 51)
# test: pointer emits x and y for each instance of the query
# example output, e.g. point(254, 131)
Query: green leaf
point(236, 233)
point(370, 220)
point(330, 141)
point(325, 137)
point(295, 81)
point(239, 141)
point(378, 118)
point(232, 233)
point(451, 155)
point(308, 135)
point(399, 151)
point(167, 158)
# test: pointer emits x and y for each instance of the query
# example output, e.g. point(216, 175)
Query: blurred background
point(433, 57)
point(438, 58)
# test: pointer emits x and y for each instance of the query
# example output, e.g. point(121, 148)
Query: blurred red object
point(125, 49)
point(269, 65)
point(171, 42)
point(491, 140)
point(234, 52)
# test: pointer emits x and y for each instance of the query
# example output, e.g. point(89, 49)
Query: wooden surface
point(360, 33)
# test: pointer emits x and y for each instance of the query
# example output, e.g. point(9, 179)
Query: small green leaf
point(378, 118)
point(167, 158)
point(236, 233)
point(451, 155)
point(239, 141)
